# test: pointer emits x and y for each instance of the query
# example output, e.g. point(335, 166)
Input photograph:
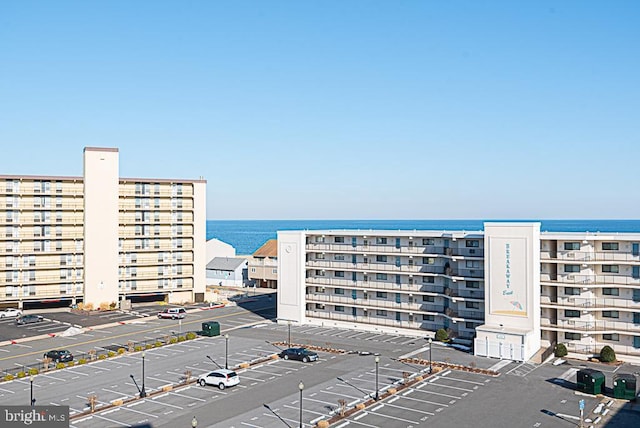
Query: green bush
point(173, 340)
point(138, 348)
point(148, 346)
point(560, 350)
point(33, 371)
point(71, 363)
point(60, 365)
point(82, 361)
point(111, 354)
point(21, 374)
point(102, 357)
point(158, 344)
point(181, 339)
point(8, 377)
point(441, 335)
point(607, 354)
point(191, 335)
point(121, 351)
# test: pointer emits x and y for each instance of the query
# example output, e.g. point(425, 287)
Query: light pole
point(226, 350)
point(143, 392)
point(377, 360)
point(289, 341)
point(301, 387)
point(194, 422)
point(33, 400)
point(430, 342)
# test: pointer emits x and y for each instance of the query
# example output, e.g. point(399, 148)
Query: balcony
point(591, 303)
point(423, 250)
point(577, 280)
point(589, 256)
point(592, 326)
point(361, 319)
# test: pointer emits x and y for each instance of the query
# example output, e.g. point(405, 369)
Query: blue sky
point(336, 109)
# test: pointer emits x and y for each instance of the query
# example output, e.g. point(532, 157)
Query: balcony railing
point(594, 349)
point(373, 320)
point(590, 256)
point(590, 303)
point(348, 248)
point(599, 326)
point(589, 280)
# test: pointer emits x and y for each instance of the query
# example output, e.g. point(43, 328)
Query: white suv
point(221, 378)
point(173, 313)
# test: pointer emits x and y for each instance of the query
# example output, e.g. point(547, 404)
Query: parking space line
point(417, 389)
point(467, 381)
point(453, 387)
point(166, 404)
point(112, 420)
point(306, 410)
point(6, 390)
point(138, 411)
point(190, 397)
point(423, 401)
point(375, 412)
point(324, 391)
point(269, 373)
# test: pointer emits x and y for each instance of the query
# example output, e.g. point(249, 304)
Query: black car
point(300, 354)
point(59, 356)
point(28, 319)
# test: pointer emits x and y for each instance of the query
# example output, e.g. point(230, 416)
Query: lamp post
point(301, 387)
point(194, 422)
point(430, 342)
point(289, 337)
point(226, 350)
point(33, 400)
point(143, 392)
point(377, 360)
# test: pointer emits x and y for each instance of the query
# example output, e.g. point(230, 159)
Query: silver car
point(221, 378)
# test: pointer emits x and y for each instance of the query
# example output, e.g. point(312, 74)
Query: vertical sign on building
point(509, 283)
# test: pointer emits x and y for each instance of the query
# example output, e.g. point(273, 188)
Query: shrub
point(138, 348)
point(102, 357)
point(181, 339)
point(71, 363)
point(121, 351)
point(111, 354)
point(158, 344)
point(33, 371)
point(173, 340)
point(191, 335)
point(607, 354)
point(560, 350)
point(148, 346)
point(441, 335)
point(82, 361)
point(8, 377)
point(21, 374)
point(60, 365)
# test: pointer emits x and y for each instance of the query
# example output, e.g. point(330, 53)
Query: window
point(615, 337)
point(610, 291)
point(610, 269)
point(428, 241)
point(636, 318)
point(472, 243)
point(610, 314)
point(319, 306)
point(610, 246)
point(428, 279)
point(571, 268)
point(472, 305)
point(571, 246)
point(381, 240)
point(381, 294)
point(381, 276)
point(339, 274)
point(381, 313)
point(428, 317)
point(473, 284)
point(381, 259)
point(473, 264)
point(319, 256)
point(571, 313)
point(339, 308)
point(318, 272)
point(339, 239)
point(571, 291)
point(428, 261)
point(430, 299)
point(339, 257)
point(572, 336)
point(339, 291)
point(470, 325)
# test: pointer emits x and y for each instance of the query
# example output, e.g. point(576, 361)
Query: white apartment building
point(511, 291)
point(100, 239)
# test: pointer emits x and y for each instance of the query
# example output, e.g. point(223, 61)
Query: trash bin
point(590, 381)
point(624, 386)
point(211, 328)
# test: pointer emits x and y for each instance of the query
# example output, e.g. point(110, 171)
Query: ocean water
point(246, 236)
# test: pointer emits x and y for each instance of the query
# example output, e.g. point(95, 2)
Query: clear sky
point(340, 109)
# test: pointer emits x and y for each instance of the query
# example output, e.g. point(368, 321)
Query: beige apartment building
point(509, 291)
point(100, 239)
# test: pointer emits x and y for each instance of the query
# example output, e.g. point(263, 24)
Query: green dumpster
point(624, 386)
point(590, 381)
point(211, 328)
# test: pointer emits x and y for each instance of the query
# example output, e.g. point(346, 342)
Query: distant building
point(227, 271)
point(263, 265)
point(217, 248)
point(99, 238)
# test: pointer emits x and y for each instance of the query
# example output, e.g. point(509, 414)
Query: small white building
point(227, 271)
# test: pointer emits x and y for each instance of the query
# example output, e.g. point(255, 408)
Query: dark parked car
point(59, 356)
point(28, 319)
point(300, 354)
